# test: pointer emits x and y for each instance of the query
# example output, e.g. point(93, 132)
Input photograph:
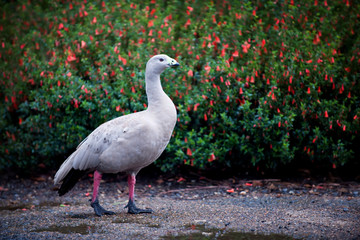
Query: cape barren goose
point(127, 143)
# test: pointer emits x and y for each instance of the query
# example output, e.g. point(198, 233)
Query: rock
point(206, 234)
point(200, 221)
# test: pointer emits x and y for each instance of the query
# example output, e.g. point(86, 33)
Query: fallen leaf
point(181, 179)
point(3, 189)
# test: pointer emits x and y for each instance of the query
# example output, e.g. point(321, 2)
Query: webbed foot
point(134, 210)
point(99, 210)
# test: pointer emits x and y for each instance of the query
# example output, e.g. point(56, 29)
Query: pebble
point(200, 221)
point(206, 234)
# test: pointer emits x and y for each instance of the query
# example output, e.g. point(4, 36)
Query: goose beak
point(173, 63)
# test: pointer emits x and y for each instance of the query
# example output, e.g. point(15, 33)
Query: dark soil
point(184, 208)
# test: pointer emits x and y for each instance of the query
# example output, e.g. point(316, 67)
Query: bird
point(125, 144)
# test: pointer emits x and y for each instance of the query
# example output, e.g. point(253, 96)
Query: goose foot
point(99, 210)
point(134, 210)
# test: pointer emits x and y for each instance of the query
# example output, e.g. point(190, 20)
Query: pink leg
point(131, 184)
point(99, 210)
point(97, 179)
point(131, 205)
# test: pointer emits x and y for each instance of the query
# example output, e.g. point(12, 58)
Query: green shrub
point(261, 83)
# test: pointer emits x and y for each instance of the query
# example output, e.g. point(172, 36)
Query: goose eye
point(161, 59)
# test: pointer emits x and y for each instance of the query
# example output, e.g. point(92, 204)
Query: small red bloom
point(196, 106)
point(190, 73)
point(245, 47)
point(211, 158)
point(188, 152)
point(316, 39)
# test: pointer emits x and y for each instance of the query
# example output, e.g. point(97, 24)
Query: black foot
point(134, 210)
point(99, 210)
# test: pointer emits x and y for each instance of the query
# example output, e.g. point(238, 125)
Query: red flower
point(207, 69)
point(71, 57)
point(150, 23)
point(316, 40)
point(341, 90)
point(196, 106)
point(263, 42)
point(245, 47)
point(188, 152)
point(76, 105)
point(83, 44)
point(190, 73)
point(211, 158)
point(188, 22)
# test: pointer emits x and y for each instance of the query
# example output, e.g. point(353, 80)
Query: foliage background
point(262, 84)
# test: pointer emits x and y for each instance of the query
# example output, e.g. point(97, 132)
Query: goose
point(125, 144)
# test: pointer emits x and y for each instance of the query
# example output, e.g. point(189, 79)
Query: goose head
point(158, 63)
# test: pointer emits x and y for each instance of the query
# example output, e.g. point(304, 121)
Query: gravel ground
point(183, 209)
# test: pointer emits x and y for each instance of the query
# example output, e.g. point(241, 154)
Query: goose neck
point(154, 90)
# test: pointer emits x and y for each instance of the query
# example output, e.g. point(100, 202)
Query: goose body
point(127, 143)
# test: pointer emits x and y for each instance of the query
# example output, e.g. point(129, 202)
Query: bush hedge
point(261, 83)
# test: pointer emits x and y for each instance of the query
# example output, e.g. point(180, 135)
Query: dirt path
point(182, 210)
